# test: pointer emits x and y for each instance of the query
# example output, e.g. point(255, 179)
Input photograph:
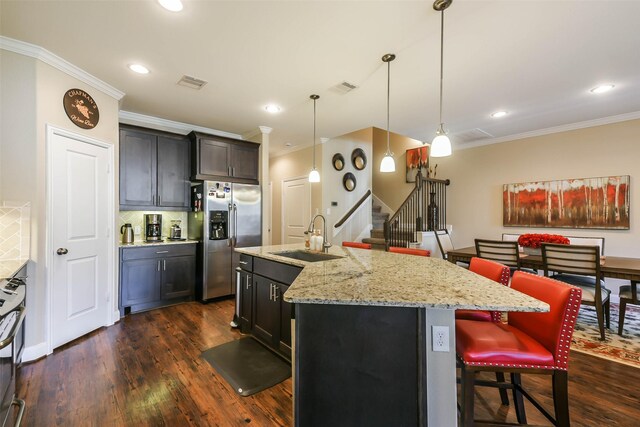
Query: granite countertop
point(8, 268)
point(370, 277)
point(139, 243)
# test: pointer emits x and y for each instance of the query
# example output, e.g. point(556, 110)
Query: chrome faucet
point(325, 245)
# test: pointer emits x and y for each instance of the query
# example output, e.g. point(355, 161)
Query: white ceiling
point(535, 59)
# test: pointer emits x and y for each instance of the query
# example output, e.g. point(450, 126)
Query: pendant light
point(388, 164)
point(314, 175)
point(441, 145)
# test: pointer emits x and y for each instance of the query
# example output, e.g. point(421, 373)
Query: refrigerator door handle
point(235, 225)
point(229, 234)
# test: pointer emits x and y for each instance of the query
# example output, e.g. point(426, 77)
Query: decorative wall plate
point(338, 161)
point(349, 181)
point(359, 159)
point(81, 109)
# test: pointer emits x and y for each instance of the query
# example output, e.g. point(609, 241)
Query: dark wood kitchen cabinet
point(262, 307)
point(155, 276)
point(244, 280)
point(154, 170)
point(220, 158)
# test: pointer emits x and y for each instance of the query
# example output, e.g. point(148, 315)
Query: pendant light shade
point(388, 164)
point(441, 145)
point(314, 175)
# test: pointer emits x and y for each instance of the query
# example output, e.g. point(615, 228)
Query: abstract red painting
point(601, 202)
point(417, 159)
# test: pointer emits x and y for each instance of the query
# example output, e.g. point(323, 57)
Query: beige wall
point(35, 100)
point(292, 165)
point(391, 188)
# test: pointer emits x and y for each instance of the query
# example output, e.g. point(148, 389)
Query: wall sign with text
point(81, 109)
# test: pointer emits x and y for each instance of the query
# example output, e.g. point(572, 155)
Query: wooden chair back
point(444, 241)
point(499, 251)
point(571, 259)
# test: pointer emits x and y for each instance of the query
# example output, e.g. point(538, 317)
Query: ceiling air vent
point(472, 135)
point(191, 82)
point(344, 87)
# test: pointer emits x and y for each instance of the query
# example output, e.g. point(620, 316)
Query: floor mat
point(247, 365)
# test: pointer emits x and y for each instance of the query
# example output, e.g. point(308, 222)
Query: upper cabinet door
point(214, 157)
point(173, 172)
point(244, 161)
point(137, 168)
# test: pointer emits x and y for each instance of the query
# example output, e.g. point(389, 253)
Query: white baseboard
point(34, 352)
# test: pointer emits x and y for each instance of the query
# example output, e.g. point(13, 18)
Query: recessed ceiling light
point(288, 144)
point(140, 69)
point(171, 5)
point(498, 114)
point(602, 88)
point(272, 108)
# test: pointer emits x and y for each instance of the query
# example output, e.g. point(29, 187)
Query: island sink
point(308, 256)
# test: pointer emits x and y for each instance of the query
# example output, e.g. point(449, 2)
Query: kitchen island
point(364, 343)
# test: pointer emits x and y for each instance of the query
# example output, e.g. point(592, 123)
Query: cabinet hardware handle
point(159, 200)
point(233, 171)
point(270, 291)
point(275, 293)
point(161, 252)
point(158, 265)
point(248, 281)
point(229, 170)
point(243, 262)
point(164, 265)
point(153, 199)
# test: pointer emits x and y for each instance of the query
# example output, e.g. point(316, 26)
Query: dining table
point(611, 266)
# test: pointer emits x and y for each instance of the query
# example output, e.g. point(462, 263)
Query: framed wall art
point(601, 202)
point(417, 158)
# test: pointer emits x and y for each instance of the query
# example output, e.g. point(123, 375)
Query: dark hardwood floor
point(146, 371)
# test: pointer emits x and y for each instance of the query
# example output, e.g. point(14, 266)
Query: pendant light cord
point(388, 97)
point(441, 62)
point(314, 134)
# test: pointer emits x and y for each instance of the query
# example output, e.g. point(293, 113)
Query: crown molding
point(157, 123)
point(42, 54)
point(556, 129)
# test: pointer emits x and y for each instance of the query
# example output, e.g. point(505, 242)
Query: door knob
point(62, 251)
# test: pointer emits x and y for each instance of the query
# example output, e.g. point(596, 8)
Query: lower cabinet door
point(266, 310)
point(246, 300)
point(178, 276)
point(139, 281)
point(284, 344)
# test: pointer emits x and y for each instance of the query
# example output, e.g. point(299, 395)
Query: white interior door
point(296, 209)
point(79, 190)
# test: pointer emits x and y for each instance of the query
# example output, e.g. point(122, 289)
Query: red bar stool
point(357, 245)
point(409, 251)
point(534, 343)
point(491, 270)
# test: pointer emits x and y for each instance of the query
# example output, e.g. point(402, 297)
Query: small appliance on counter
point(127, 234)
point(153, 227)
point(175, 232)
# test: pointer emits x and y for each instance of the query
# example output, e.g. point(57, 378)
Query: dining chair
point(504, 252)
point(628, 295)
point(530, 343)
point(357, 245)
point(580, 266)
point(409, 251)
point(445, 245)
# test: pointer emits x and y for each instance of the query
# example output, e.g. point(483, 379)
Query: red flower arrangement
point(536, 240)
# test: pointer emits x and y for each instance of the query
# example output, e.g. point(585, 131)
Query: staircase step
point(377, 233)
point(380, 215)
point(376, 208)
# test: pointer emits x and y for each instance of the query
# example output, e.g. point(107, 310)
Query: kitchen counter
point(366, 347)
point(142, 243)
point(377, 278)
point(9, 268)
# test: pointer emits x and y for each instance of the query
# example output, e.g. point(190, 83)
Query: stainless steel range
point(12, 313)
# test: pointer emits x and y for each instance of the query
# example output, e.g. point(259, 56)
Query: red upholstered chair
point(357, 245)
point(491, 270)
point(409, 251)
point(535, 343)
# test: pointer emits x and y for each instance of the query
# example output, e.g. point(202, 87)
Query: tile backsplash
point(14, 230)
point(136, 219)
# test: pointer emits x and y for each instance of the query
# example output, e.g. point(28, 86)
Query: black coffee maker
point(153, 227)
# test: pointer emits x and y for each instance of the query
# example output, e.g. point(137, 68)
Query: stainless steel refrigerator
point(229, 216)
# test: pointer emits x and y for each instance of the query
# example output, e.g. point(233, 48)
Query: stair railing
point(424, 209)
